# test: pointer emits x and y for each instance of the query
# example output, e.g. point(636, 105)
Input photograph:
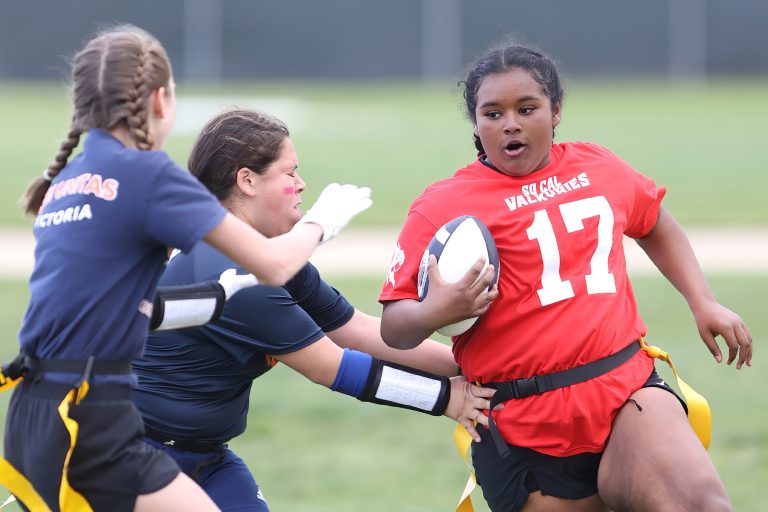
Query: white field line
point(367, 253)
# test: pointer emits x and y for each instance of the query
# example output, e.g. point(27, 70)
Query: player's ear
point(556, 115)
point(478, 143)
point(158, 102)
point(245, 180)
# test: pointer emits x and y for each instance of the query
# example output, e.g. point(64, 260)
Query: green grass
point(314, 450)
point(703, 141)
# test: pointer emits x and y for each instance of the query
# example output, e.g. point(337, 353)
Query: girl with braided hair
point(104, 221)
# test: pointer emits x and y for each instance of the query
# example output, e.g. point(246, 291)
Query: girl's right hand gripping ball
point(457, 245)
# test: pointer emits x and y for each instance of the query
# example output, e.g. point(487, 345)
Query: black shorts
point(110, 466)
point(507, 482)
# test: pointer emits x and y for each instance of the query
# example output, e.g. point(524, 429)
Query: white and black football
point(457, 245)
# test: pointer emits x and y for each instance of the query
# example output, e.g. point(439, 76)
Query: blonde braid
point(137, 119)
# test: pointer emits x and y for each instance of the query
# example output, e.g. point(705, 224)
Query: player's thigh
point(538, 502)
point(654, 459)
point(181, 494)
point(532, 481)
point(232, 487)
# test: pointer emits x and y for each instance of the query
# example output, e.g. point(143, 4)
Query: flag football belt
point(699, 414)
point(182, 444)
point(10, 375)
point(522, 388)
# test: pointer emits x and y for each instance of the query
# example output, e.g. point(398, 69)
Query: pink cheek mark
point(289, 191)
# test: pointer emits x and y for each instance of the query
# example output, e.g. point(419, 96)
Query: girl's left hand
point(713, 319)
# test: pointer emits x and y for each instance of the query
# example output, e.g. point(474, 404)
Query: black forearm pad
point(188, 305)
point(401, 386)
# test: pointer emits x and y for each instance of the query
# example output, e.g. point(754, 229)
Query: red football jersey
point(564, 296)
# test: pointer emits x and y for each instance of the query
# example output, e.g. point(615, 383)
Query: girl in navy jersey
point(104, 222)
point(194, 384)
point(587, 423)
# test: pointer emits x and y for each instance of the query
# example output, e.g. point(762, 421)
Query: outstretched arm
point(363, 332)
point(370, 379)
point(669, 249)
point(275, 260)
point(405, 323)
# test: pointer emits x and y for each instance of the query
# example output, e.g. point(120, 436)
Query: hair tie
point(47, 175)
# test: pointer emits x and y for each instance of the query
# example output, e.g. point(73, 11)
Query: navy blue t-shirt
point(194, 383)
point(101, 239)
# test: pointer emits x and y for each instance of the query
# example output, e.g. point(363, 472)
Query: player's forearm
point(404, 325)
point(430, 355)
point(362, 332)
point(375, 380)
point(669, 249)
point(298, 245)
point(272, 260)
point(318, 361)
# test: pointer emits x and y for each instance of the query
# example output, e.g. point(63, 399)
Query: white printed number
point(599, 280)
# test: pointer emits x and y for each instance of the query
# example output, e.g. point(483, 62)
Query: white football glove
point(232, 282)
point(336, 206)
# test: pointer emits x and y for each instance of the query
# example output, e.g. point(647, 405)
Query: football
point(457, 245)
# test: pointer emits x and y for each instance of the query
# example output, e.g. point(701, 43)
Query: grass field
point(703, 141)
point(317, 451)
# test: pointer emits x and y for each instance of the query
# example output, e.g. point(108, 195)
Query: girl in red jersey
point(616, 436)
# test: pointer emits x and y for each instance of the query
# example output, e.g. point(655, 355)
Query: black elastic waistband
point(78, 366)
point(57, 390)
point(183, 444)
